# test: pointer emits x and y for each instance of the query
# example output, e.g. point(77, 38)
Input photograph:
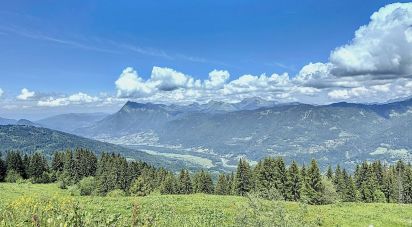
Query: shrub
point(140, 187)
point(73, 190)
point(116, 193)
point(53, 211)
point(271, 194)
point(379, 196)
point(44, 178)
point(87, 185)
point(13, 176)
point(329, 194)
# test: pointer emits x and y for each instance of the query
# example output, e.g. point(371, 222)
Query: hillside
point(71, 121)
point(200, 209)
point(342, 133)
point(36, 139)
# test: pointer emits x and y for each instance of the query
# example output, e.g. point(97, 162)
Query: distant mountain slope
point(336, 133)
point(27, 123)
point(70, 122)
point(5, 121)
point(35, 139)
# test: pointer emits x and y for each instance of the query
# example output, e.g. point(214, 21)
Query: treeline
point(84, 173)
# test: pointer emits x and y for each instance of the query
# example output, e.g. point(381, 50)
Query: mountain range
point(215, 135)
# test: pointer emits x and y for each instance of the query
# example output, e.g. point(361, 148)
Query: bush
point(271, 194)
point(74, 190)
point(329, 194)
point(379, 196)
point(53, 211)
point(13, 176)
point(140, 187)
point(87, 185)
point(43, 179)
point(116, 193)
point(64, 180)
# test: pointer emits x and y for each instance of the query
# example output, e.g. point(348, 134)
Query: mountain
point(31, 139)
point(132, 117)
point(338, 133)
point(70, 122)
point(5, 121)
point(254, 103)
point(27, 123)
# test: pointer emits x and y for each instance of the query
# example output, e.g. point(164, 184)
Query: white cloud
point(382, 48)
point(78, 98)
point(131, 84)
point(217, 79)
point(167, 79)
point(375, 66)
point(1, 92)
point(25, 94)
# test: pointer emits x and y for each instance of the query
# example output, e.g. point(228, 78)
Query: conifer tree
point(140, 186)
point(37, 168)
point(15, 162)
point(222, 185)
point(281, 178)
point(294, 182)
point(202, 182)
point(314, 184)
point(185, 183)
point(26, 164)
point(243, 178)
point(230, 183)
point(265, 176)
point(169, 185)
point(3, 169)
point(389, 187)
point(350, 192)
point(58, 162)
point(329, 173)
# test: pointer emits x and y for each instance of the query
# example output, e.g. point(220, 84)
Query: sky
point(93, 56)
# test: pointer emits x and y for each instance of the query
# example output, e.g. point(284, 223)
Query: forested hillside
point(30, 139)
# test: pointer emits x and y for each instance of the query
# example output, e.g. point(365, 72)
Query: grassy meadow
point(46, 205)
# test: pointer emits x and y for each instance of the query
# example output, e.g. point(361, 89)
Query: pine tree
point(368, 187)
point(314, 184)
point(202, 182)
point(294, 182)
point(378, 171)
point(350, 192)
point(38, 168)
point(140, 186)
point(26, 164)
point(3, 169)
point(58, 162)
point(281, 178)
point(243, 178)
point(222, 185)
point(169, 186)
point(231, 183)
point(329, 173)
point(14, 162)
point(389, 187)
point(185, 183)
point(265, 176)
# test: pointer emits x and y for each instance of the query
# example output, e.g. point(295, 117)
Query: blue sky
point(63, 48)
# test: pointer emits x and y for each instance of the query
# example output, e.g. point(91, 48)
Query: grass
point(205, 210)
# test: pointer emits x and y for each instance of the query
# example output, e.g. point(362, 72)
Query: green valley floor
point(46, 205)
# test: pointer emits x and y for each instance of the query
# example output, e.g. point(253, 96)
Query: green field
point(18, 202)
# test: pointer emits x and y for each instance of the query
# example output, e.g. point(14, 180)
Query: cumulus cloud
point(382, 48)
point(25, 94)
point(217, 79)
point(79, 98)
point(1, 92)
point(375, 66)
